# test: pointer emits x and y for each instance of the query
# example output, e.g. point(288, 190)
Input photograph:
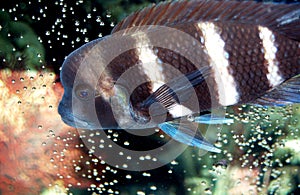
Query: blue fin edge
point(183, 135)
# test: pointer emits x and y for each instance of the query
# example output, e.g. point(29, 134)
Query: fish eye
point(84, 92)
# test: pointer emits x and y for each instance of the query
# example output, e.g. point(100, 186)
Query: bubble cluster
point(32, 34)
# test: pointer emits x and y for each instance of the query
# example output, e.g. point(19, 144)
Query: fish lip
point(70, 119)
point(80, 123)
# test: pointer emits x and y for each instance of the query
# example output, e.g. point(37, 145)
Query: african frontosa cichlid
point(238, 53)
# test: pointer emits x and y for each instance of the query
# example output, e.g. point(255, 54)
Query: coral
point(37, 149)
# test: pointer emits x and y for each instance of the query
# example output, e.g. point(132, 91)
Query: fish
point(169, 65)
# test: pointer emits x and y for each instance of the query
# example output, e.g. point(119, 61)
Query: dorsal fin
point(283, 18)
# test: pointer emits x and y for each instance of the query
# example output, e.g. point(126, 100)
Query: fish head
point(91, 100)
point(81, 107)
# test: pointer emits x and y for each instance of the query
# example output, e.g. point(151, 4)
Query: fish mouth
point(70, 119)
point(73, 121)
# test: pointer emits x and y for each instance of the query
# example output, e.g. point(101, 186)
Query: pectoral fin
point(188, 134)
point(211, 120)
point(173, 92)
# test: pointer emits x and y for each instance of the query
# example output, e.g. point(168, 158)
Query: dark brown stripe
point(246, 59)
point(181, 62)
point(123, 63)
point(288, 56)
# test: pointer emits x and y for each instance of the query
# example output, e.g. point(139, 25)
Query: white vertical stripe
point(226, 86)
point(151, 64)
point(270, 49)
point(153, 68)
point(179, 111)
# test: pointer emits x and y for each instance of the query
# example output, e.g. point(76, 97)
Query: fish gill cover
point(39, 154)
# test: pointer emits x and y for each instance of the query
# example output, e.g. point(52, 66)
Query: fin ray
point(284, 18)
point(286, 93)
point(209, 119)
point(177, 89)
point(187, 134)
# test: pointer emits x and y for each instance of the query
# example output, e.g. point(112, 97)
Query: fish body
point(182, 58)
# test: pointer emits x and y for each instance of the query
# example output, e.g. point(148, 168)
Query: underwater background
point(39, 154)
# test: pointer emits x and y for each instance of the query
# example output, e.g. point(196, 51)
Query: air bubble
point(128, 177)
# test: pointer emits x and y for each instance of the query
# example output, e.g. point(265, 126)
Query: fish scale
point(289, 54)
point(237, 52)
point(184, 66)
point(245, 66)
